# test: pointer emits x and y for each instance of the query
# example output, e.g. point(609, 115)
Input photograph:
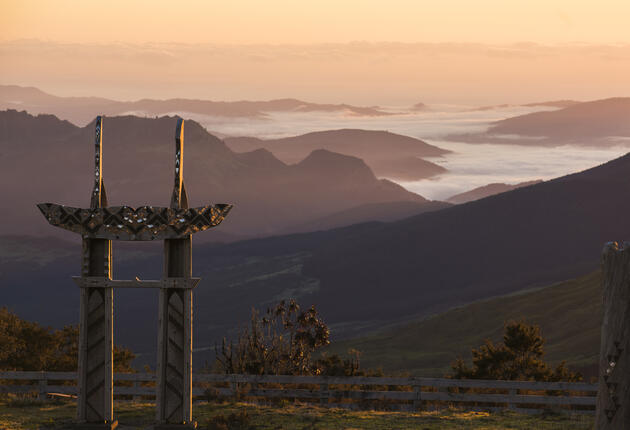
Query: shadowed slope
point(385, 212)
point(530, 236)
point(569, 314)
point(48, 160)
point(388, 154)
point(366, 275)
point(486, 191)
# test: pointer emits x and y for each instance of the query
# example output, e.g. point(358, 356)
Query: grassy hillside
point(369, 275)
point(569, 314)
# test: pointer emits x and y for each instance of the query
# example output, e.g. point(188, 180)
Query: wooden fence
point(346, 392)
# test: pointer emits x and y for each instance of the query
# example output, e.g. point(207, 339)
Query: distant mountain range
point(554, 103)
point(551, 103)
point(374, 254)
point(596, 123)
point(45, 159)
point(486, 191)
point(388, 154)
point(82, 110)
point(364, 276)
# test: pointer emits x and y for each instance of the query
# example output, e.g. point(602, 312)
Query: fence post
point(322, 391)
point(42, 388)
point(512, 392)
point(437, 406)
point(417, 401)
point(323, 394)
point(136, 397)
point(613, 395)
point(235, 390)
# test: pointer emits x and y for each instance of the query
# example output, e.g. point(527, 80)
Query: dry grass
point(17, 414)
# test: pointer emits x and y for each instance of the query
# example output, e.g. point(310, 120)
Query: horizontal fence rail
point(356, 392)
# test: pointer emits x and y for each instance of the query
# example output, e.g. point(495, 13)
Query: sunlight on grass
point(33, 414)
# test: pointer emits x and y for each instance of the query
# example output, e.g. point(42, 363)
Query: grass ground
point(16, 414)
point(569, 314)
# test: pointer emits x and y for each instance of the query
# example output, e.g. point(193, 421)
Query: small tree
point(281, 342)
point(519, 357)
point(26, 345)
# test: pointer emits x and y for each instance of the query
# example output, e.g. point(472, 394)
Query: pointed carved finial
point(179, 199)
point(97, 189)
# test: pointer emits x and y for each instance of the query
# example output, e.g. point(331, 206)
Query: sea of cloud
point(474, 165)
point(469, 165)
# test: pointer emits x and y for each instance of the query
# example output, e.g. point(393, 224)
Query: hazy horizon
point(395, 52)
point(360, 73)
point(448, 55)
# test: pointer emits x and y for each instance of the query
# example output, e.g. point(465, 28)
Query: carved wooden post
point(98, 226)
point(95, 400)
point(174, 388)
point(613, 395)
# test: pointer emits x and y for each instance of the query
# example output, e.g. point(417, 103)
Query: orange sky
point(362, 52)
point(330, 21)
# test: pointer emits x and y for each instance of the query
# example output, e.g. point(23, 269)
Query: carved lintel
point(142, 224)
point(102, 282)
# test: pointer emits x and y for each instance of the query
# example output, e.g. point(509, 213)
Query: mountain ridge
point(81, 110)
point(56, 165)
point(389, 154)
point(594, 123)
point(364, 276)
point(488, 190)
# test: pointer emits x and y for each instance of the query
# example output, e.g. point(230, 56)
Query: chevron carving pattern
point(127, 223)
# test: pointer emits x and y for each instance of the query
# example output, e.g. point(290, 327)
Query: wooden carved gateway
point(98, 226)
